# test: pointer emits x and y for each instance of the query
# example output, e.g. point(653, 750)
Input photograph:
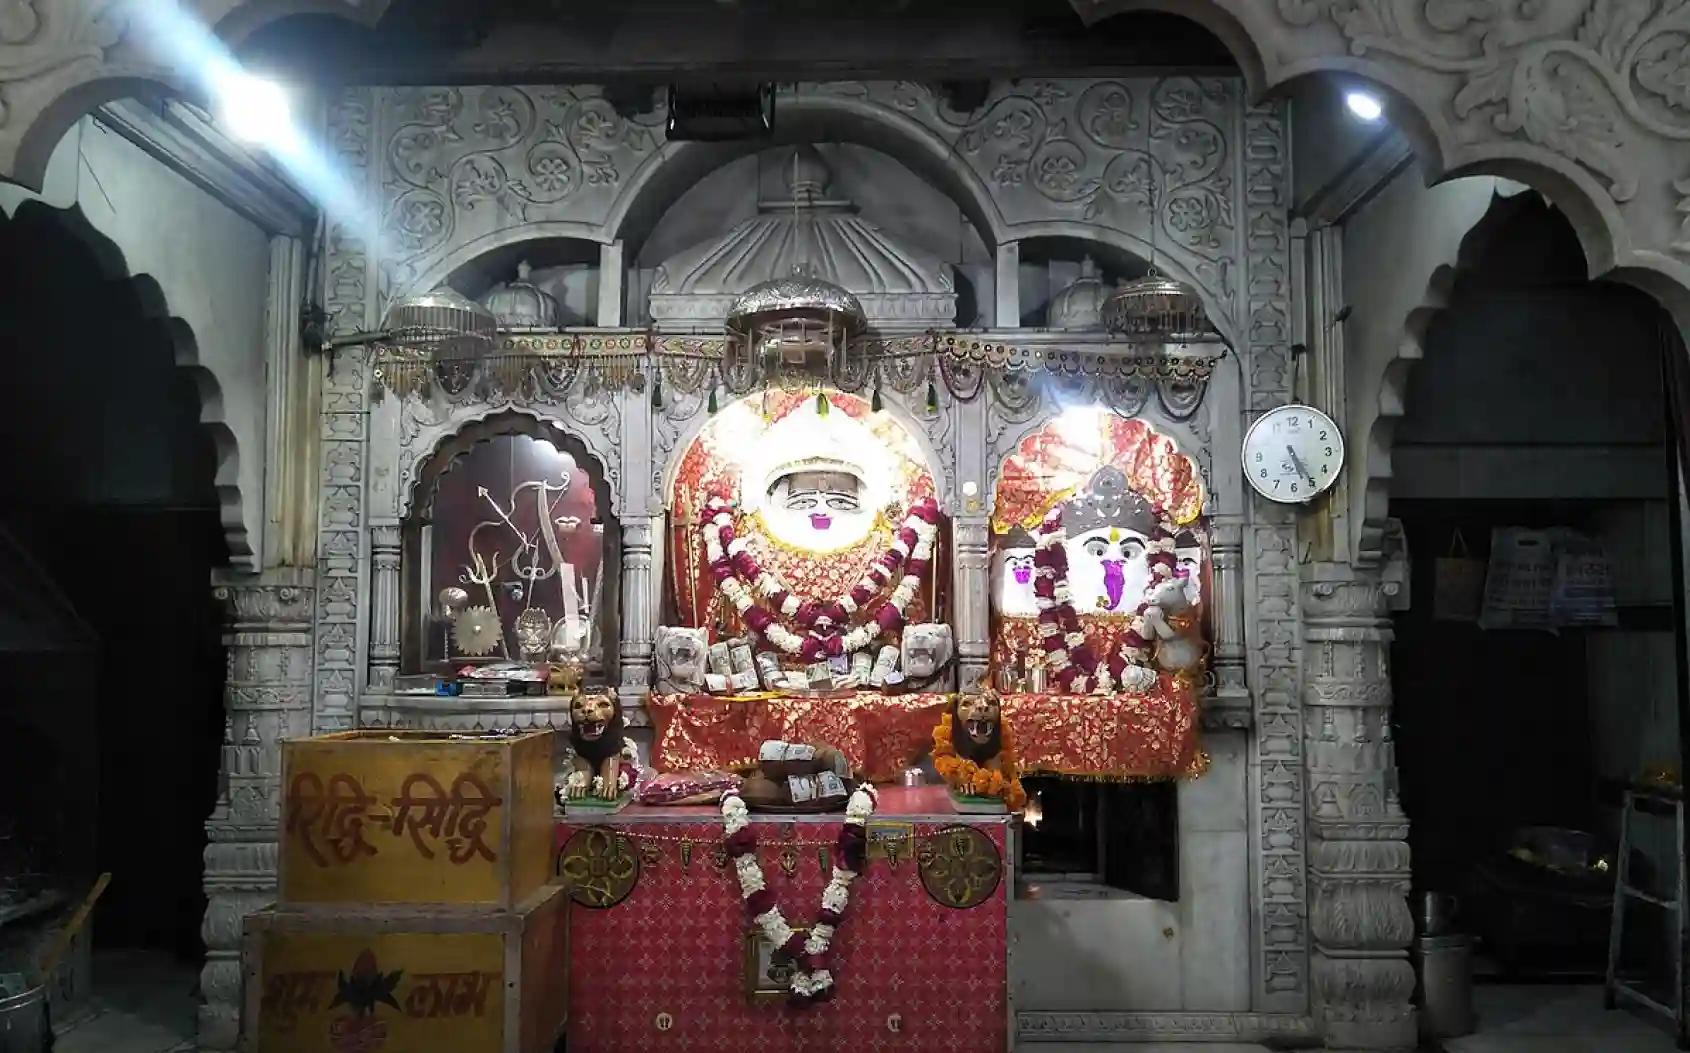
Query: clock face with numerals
point(1293, 454)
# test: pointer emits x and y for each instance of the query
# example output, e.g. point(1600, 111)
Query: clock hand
point(1298, 463)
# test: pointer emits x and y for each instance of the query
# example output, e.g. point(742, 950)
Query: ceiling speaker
point(720, 112)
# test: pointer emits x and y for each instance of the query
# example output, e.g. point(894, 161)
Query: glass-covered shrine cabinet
point(509, 554)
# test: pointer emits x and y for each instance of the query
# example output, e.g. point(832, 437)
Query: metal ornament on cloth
point(796, 328)
point(960, 867)
point(599, 867)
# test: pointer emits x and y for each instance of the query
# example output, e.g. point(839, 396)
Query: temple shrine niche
point(801, 547)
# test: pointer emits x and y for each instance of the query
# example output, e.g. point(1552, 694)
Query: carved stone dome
point(1080, 305)
point(897, 286)
point(521, 304)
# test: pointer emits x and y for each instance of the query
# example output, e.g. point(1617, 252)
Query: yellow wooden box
point(407, 979)
point(416, 817)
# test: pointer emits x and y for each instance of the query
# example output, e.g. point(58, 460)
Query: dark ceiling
point(656, 41)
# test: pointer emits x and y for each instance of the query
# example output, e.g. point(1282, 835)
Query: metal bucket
point(23, 1022)
point(1446, 985)
point(1437, 913)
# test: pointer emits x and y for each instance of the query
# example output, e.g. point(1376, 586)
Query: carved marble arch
point(1581, 100)
point(583, 529)
point(1410, 349)
point(459, 258)
point(35, 224)
point(1124, 253)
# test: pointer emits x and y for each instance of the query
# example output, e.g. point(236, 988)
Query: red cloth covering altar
point(1152, 735)
point(881, 734)
point(676, 945)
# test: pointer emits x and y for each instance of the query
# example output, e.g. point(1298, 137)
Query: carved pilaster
point(351, 296)
point(1229, 706)
point(268, 699)
point(1274, 642)
point(1358, 854)
point(639, 608)
point(971, 579)
point(384, 605)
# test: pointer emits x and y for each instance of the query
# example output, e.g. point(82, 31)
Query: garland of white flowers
point(811, 979)
point(1073, 665)
point(732, 565)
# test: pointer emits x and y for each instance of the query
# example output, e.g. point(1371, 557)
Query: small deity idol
point(1012, 576)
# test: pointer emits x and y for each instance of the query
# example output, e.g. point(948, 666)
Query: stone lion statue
point(926, 649)
point(681, 655)
point(977, 728)
point(604, 764)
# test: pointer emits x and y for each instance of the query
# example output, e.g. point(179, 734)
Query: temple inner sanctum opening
point(944, 526)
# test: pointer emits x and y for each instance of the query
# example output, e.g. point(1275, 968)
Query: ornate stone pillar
point(971, 581)
point(268, 698)
point(1358, 836)
point(1231, 692)
point(639, 609)
point(384, 605)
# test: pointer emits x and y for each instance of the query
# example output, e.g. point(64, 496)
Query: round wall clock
point(1293, 453)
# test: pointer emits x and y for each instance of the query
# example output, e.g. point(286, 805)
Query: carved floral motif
point(35, 43)
point(519, 153)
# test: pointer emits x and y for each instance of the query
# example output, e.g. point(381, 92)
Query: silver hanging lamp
point(1157, 310)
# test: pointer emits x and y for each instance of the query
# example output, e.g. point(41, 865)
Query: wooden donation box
point(665, 958)
point(414, 911)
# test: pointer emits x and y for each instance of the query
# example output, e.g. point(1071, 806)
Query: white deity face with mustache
point(824, 508)
point(1012, 582)
point(1107, 570)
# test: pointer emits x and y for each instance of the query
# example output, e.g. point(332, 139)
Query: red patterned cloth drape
point(675, 948)
point(1057, 459)
point(881, 734)
point(1152, 735)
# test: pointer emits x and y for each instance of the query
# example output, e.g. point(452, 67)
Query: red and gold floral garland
point(969, 779)
point(824, 636)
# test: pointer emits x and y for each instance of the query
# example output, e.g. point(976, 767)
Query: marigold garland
point(969, 779)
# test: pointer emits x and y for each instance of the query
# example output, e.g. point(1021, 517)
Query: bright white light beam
point(1364, 105)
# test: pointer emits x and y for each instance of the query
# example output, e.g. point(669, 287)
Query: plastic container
point(1446, 985)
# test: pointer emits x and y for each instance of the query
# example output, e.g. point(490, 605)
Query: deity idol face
point(1191, 569)
point(818, 510)
point(1106, 570)
point(1012, 582)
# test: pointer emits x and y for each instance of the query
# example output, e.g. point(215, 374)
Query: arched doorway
point(1536, 433)
point(109, 529)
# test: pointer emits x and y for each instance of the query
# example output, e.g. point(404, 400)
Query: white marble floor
point(1555, 1019)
